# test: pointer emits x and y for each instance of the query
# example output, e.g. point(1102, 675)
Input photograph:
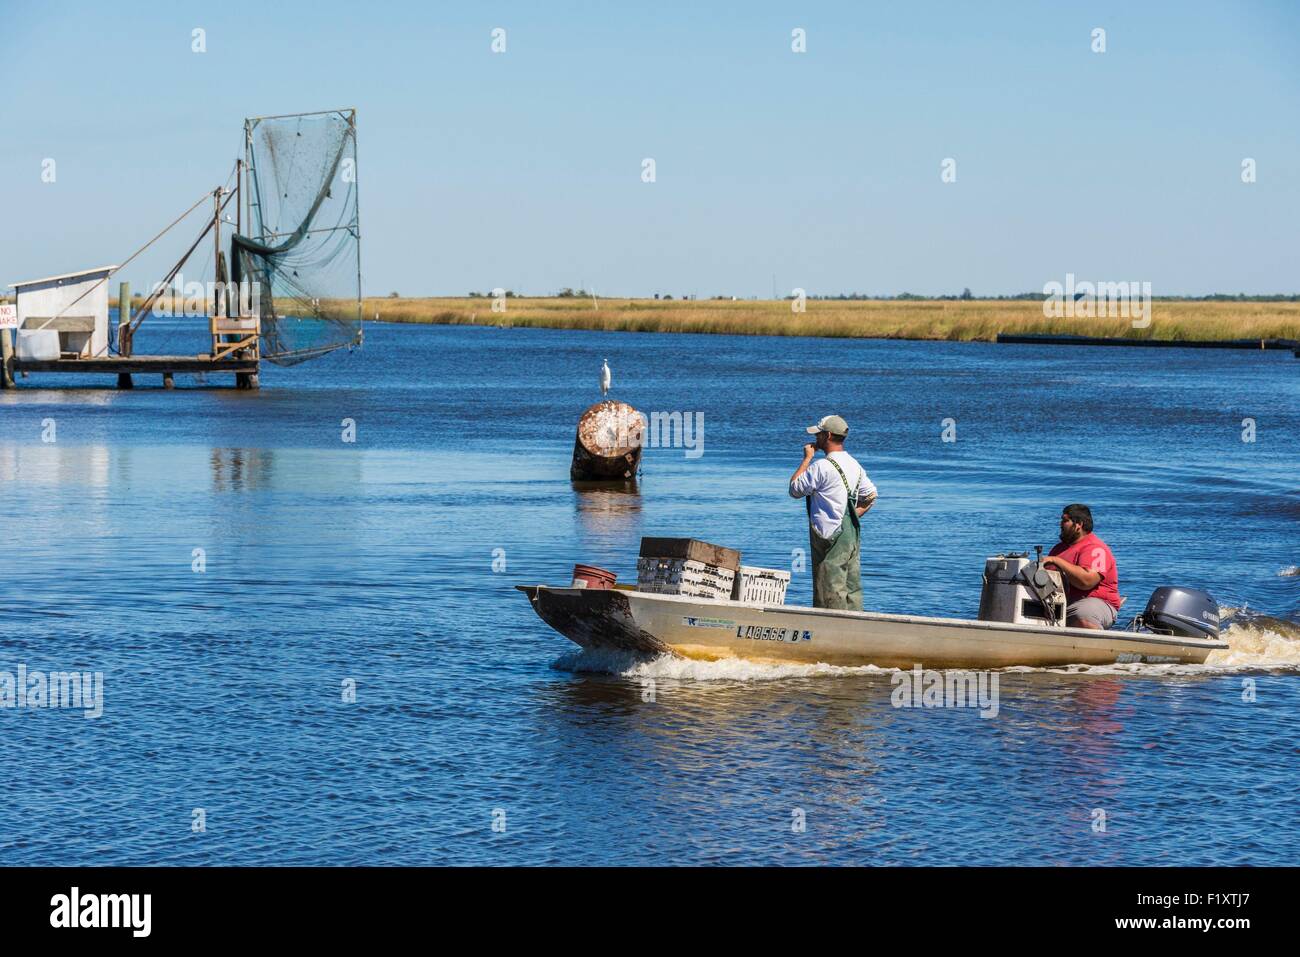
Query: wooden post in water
point(123, 318)
point(124, 331)
point(6, 360)
point(608, 443)
point(7, 356)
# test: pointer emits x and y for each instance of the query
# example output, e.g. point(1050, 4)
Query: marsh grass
point(959, 320)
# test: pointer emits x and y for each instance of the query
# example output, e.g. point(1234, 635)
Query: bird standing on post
point(604, 377)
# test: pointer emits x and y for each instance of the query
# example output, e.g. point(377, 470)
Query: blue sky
point(822, 169)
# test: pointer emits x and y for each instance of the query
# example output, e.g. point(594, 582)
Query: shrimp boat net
point(302, 242)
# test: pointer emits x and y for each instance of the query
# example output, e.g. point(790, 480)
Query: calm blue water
point(373, 562)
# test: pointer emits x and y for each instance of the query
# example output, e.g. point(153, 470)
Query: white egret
point(604, 377)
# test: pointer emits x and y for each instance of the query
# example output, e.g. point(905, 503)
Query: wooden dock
point(235, 348)
point(245, 370)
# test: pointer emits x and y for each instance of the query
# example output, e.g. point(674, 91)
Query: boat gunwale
point(880, 616)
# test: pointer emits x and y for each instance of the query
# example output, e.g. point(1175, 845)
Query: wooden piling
point(608, 443)
point(6, 360)
point(123, 318)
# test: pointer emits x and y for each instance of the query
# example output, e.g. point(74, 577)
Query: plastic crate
point(684, 576)
point(762, 585)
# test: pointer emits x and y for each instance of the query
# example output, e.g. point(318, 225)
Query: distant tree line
point(1038, 296)
point(966, 295)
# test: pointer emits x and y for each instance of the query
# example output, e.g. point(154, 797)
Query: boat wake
point(631, 665)
point(1256, 643)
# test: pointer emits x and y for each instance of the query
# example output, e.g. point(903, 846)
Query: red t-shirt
point(1091, 553)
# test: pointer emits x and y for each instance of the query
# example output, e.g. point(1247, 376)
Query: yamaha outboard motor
point(1187, 612)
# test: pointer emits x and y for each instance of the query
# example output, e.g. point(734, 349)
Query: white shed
point(64, 316)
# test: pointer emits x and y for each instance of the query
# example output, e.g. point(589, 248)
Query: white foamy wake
point(1256, 642)
point(629, 665)
point(1289, 572)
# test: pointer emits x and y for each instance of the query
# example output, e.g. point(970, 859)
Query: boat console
point(1022, 592)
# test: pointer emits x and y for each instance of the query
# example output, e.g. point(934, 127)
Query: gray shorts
point(1094, 609)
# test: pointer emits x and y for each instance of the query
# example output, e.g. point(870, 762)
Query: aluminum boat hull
point(703, 629)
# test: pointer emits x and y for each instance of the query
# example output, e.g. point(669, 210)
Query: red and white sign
point(8, 317)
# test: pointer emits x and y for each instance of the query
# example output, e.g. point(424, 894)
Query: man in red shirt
point(1088, 567)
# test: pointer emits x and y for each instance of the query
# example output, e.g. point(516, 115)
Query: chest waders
point(836, 563)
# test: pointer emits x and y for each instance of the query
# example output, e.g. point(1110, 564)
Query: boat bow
point(596, 617)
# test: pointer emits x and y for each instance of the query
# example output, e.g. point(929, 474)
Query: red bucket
point(589, 576)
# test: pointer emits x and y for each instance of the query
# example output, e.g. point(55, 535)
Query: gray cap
point(832, 424)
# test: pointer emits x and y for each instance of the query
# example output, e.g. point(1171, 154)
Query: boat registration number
point(770, 633)
point(752, 632)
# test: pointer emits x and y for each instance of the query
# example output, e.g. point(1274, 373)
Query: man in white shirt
point(835, 486)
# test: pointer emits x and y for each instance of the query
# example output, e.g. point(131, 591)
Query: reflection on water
point(33, 391)
point(58, 465)
point(52, 464)
point(876, 784)
point(608, 510)
point(235, 470)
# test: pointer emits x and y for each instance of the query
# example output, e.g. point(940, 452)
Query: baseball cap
point(832, 424)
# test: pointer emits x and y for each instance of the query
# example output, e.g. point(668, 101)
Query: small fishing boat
point(1179, 626)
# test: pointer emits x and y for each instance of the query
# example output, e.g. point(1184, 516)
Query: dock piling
point(608, 443)
point(6, 360)
point(123, 318)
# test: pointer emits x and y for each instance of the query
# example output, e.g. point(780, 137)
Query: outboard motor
point(1186, 612)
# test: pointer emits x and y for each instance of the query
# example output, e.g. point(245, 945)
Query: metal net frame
point(302, 237)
